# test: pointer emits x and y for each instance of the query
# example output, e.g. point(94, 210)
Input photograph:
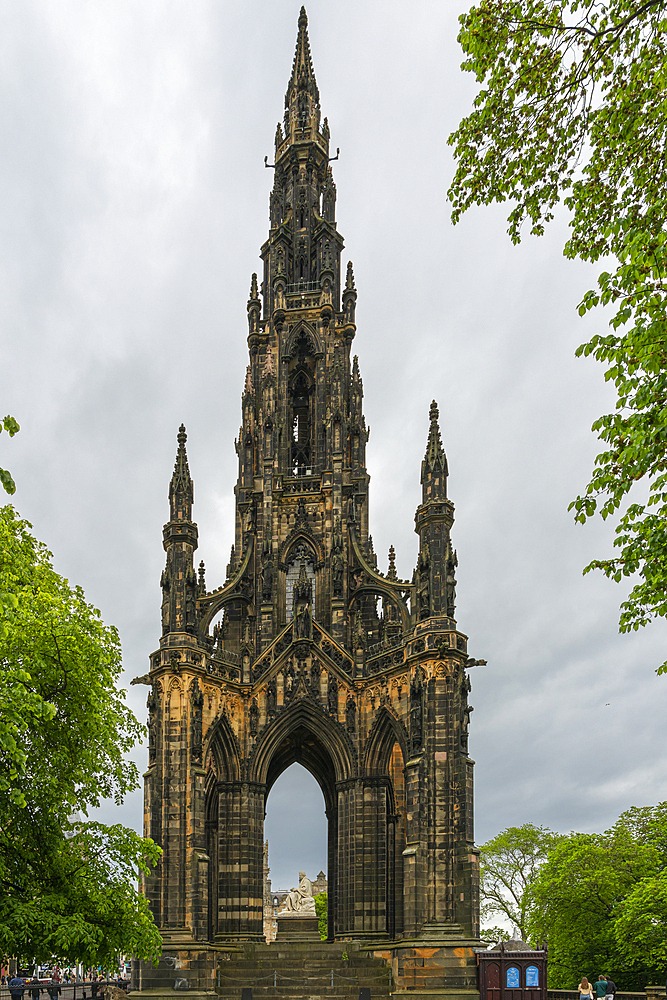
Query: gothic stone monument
point(308, 652)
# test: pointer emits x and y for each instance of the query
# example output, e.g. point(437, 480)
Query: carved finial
point(349, 277)
point(434, 449)
point(303, 77)
point(434, 466)
point(181, 488)
point(202, 578)
point(355, 369)
point(391, 572)
point(254, 292)
point(248, 380)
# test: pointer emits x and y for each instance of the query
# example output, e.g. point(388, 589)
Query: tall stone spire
point(305, 650)
point(179, 580)
point(302, 80)
point(434, 466)
point(181, 488)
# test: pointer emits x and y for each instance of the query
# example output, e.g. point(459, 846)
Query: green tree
point(495, 934)
point(508, 866)
point(68, 885)
point(586, 902)
point(321, 910)
point(572, 107)
point(8, 424)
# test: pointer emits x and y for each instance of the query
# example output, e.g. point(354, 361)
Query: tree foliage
point(572, 107)
point(508, 866)
point(599, 900)
point(10, 425)
point(68, 885)
point(577, 898)
point(321, 903)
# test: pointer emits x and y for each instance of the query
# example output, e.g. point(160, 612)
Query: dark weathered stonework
point(308, 652)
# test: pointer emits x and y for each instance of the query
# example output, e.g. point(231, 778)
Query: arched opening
point(295, 828)
point(364, 875)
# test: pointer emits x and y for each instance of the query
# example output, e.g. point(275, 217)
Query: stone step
point(295, 991)
point(305, 963)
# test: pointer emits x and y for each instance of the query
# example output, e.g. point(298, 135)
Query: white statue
point(300, 899)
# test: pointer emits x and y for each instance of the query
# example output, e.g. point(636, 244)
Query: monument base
point(297, 927)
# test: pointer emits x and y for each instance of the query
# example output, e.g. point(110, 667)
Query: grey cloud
point(135, 203)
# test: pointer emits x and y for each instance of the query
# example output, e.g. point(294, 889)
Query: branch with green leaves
point(10, 425)
point(572, 109)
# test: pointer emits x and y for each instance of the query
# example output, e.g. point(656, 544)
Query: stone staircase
point(303, 971)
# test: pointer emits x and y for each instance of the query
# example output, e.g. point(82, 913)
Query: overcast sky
point(135, 201)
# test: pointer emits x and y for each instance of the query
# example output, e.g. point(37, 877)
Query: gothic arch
point(385, 732)
point(300, 535)
point(377, 590)
point(223, 747)
point(303, 734)
point(311, 334)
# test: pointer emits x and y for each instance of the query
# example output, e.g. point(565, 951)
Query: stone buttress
point(307, 651)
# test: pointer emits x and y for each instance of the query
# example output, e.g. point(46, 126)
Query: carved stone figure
point(337, 561)
point(350, 714)
point(152, 705)
point(267, 581)
point(289, 682)
point(271, 697)
point(253, 717)
point(303, 622)
point(450, 581)
point(416, 713)
point(300, 898)
point(332, 696)
point(197, 704)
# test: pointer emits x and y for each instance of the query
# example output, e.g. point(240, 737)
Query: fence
point(275, 979)
point(68, 991)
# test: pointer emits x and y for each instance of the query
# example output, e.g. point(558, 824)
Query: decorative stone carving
point(271, 697)
point(152, 703)
point(450, 581)
point(332, 696)
point(351, 714)
point(253, 717)
point(416, 712)
point(197, 704)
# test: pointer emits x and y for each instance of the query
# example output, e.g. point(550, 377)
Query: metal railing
point(275, 979)
point(86, 990)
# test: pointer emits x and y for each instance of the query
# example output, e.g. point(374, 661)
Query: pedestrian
point(94, 988)
point(601, 987)
point(585, 989)
point(611, 987)
point(16, 988)
point(53, 988)
point(34, 988)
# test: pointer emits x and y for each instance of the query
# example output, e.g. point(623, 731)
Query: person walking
point(53, 988)
point(34, 988)
point(585, 989)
